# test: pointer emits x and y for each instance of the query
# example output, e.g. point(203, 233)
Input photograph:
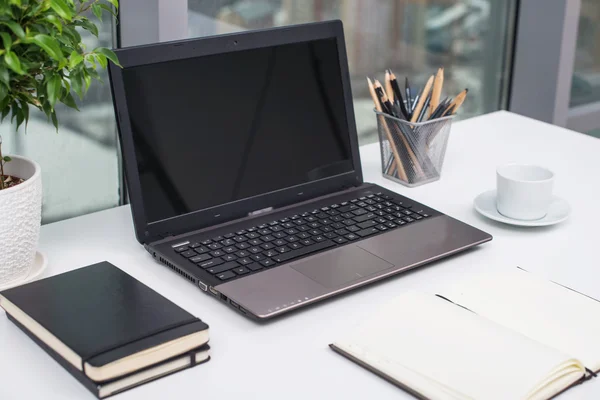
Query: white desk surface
point(289, 357)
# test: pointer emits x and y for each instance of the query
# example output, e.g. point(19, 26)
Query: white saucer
point(39, 266)
point(485, 204)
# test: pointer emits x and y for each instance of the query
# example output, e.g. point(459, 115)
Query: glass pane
point(80, 172)
point(470, 38)
point(585, 87)
point(595, 133)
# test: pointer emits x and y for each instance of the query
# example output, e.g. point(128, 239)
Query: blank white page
point(539, 309)
point(443, 351)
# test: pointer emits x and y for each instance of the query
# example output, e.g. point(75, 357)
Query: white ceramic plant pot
point(20, 220)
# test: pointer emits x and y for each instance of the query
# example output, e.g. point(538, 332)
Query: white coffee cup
point(523, 191)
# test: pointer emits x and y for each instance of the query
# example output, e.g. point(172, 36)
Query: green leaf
point(88, 80)
point(5, 111)
point(12, 62)
point(4, 75)
point(3, 92)
point(88, 26)
point(74, 59)
point(54, 120)
point(20, 117)
point(62, 9)
point(6, 40)
point(53, 88)
point(108, 8)
point(54, 20)
point(72, 33)
point(25, 108)
point(67, 85)
point(77, 83)
point(7, 159)
point(108, 54)
point(115, 3)
point(16, 2)
point(97, 11)
point(5, 106)
point(50, 46)
point(15, 27)
point(101, 60)
point(69, 101)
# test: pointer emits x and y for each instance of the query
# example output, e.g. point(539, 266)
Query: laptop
point(241, 158)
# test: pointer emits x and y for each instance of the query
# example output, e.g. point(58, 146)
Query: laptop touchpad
point(342, 266)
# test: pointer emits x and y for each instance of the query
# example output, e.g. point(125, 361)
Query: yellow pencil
point(437, 90)
point(422, 99)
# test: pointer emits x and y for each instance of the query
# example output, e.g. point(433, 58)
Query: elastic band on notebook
point(125, 343)
point(592, 373)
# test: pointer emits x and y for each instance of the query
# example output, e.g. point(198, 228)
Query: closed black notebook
point(110, 388)
point(103, 322)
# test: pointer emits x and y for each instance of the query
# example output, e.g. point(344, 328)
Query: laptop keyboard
point(265, 246)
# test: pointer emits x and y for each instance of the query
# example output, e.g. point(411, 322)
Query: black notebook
point(118, 385)
point(104, 324)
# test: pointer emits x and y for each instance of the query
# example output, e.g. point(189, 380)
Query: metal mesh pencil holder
point(412, 153)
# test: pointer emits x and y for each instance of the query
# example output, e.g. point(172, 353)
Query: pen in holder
point(412, 153)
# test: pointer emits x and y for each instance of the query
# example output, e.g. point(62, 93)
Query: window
point(470, 38)
point(585, 87)
point(80, 168)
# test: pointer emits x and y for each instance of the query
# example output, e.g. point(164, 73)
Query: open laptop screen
point(215, 129)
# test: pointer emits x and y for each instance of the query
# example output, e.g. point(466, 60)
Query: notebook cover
point(93, 386)
point(99, 308)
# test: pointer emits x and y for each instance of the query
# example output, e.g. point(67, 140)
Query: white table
point(289, 357)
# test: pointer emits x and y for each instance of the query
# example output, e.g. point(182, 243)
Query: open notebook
point(504, 335)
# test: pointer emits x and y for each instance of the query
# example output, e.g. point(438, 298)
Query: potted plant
point(43, 61)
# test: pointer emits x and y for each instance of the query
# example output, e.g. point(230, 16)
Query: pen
point(398, 94)
point(425, 109)
point(409, 103)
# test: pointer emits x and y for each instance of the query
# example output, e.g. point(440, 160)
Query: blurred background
point(475, 40)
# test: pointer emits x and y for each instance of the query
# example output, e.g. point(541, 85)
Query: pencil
point(456, 103)
point(437, 90)
point(398, 162)
point(398, 94)
point(388, 87)
point(424, 96)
